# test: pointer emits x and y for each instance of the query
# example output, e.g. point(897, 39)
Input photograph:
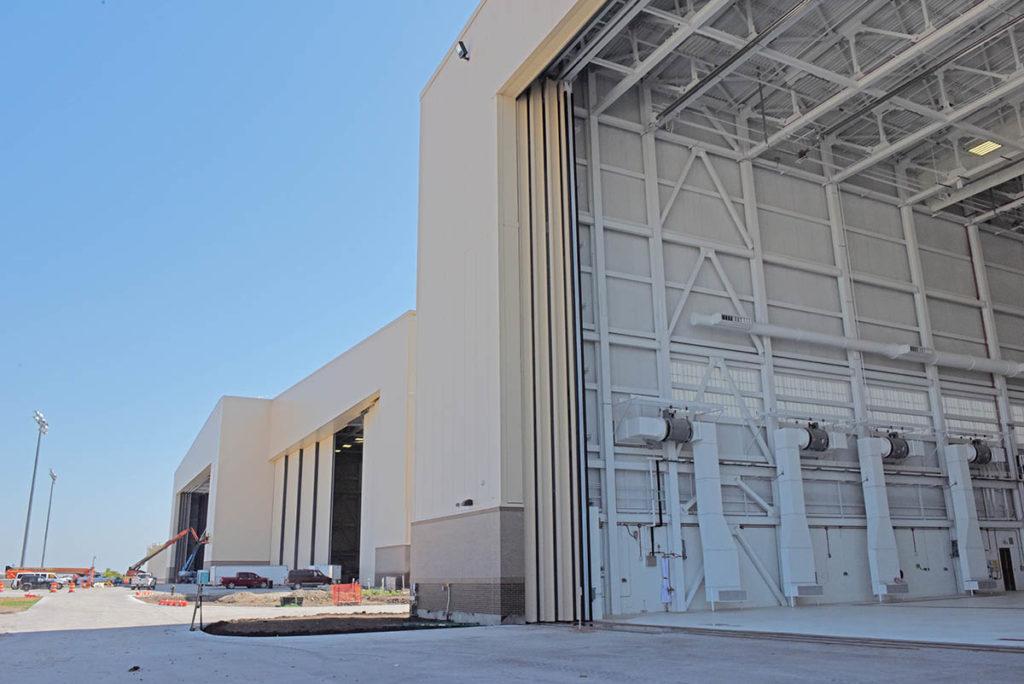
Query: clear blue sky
point(196, 199)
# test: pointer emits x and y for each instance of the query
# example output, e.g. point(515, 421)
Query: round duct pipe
point(678, 429)
point(816, 439)
point(982, 453)
point(898, 448)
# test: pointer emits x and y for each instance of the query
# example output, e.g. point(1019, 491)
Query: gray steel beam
point(687, 28)
point(877, 75)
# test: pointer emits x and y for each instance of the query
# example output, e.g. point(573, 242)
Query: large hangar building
point(717, 305)
point(312, 477)
point(789, 228)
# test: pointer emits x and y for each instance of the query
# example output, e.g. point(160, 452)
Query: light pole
point(43, 426)
point(49, 507)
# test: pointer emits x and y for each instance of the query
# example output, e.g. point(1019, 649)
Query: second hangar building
point(717, 304)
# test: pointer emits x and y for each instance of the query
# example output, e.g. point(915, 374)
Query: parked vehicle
point(142, 580)
point(187, 577)
point(26, 581)
point(246, 579)
point(310, 577)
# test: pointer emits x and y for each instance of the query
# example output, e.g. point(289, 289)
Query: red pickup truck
point(246, 579)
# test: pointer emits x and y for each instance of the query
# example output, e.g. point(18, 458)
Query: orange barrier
point(53, 587)
point(343, 594)
point(170, 602)
point(71, 587)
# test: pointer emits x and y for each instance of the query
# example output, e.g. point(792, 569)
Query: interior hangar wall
point(676, 224)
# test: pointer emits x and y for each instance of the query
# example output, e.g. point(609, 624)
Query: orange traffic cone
point(71, 588)
point(53, 587)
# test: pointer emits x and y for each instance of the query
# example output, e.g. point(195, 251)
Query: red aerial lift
point(170, 542)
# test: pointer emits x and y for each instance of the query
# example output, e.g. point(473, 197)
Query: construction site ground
point(266, 597)
point(106, 635)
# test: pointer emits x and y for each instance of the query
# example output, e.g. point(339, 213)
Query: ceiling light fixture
point(981, 149)
point(346, 446)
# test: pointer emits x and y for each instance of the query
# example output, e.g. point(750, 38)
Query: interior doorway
point(1006, 563)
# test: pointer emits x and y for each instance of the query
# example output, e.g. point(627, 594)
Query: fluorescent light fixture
point(346, 446)
point(359, 439)
point(981, 149)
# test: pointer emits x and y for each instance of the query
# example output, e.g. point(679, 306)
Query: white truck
point(142, 580)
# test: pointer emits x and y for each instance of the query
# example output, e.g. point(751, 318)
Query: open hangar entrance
point(769, 272)
point(346, 498)
point(193, 510)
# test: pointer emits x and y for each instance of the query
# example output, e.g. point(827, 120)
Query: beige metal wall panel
point(469, 426)
point(288, 533)
point(305, 505)
point(464, 199)
point(240, 509)
point(323, 502)
point(274, 553)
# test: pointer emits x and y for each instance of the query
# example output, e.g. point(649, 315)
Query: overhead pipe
point(746, 325)
point(903, 352)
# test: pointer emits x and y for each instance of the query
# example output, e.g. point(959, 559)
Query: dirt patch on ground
point(310, 597)
point(311, 625)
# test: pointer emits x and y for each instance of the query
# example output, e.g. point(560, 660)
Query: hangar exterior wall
point(376, 376)
point(242, 447)
point(239, 512)
point(237, 505)
point(468, 407)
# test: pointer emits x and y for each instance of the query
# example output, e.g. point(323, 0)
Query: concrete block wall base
point(502, 600)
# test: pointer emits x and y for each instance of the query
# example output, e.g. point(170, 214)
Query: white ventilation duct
point(649, 429)
point(904, 352)
point(981, 453)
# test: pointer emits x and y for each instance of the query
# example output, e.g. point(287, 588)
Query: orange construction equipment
point(11, 572)
point(346, 594)
point(134, 568)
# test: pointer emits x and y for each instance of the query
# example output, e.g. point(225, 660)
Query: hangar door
point(554, 482)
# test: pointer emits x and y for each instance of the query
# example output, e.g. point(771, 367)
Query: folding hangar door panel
point(556, 527)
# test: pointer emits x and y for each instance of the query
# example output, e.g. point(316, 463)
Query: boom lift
point(205, 539)
point(192, 558)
